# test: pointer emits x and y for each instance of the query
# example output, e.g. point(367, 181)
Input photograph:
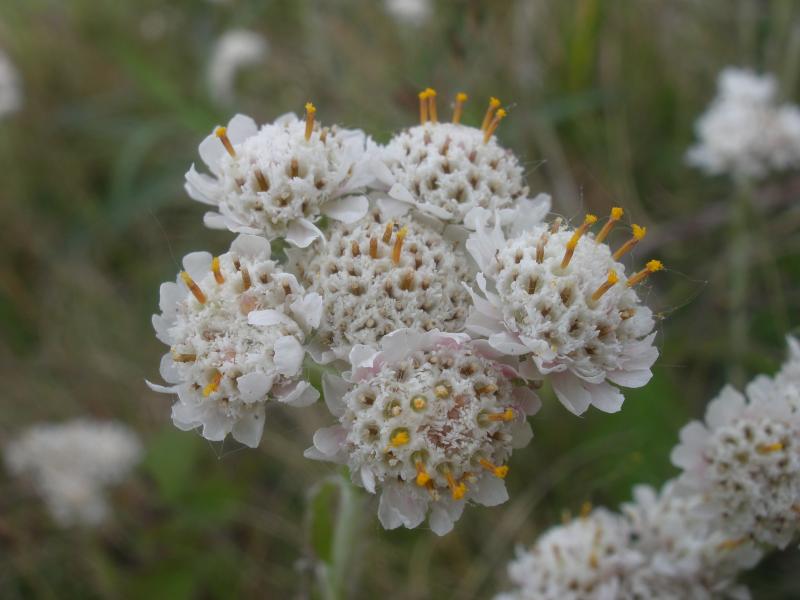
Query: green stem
point(335, 573)
point(740, 250)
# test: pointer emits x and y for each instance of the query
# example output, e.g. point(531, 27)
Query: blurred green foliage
point(604, 96)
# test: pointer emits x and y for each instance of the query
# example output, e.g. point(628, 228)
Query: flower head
point(430, 421)
point(745, 132)
point(744, 462)
point(235, 325)
point(71, 463)
point(449, 169)
point(563, 304)
point(279, 179)
point(378, 275)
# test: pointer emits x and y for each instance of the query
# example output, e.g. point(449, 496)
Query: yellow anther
point(355, 249)
point(263, 185)
point(246, 281)
point(498, 471)
point(731, 544)
point(373, 247)
point(222, 134)
point(422, 475)
point(588, 221)
point(506, 415)
point(586, 509)
point(434, 116)
point(295, 168)
point(216, 270)
point(193, 287)
point(311, 110)
point(423, 107)
point(457, 489)
point(651, 267)
point(494, 103)
point(489, 388)
point(540, 247)
point(213, 385)
point(184, 358)
point(461, 97)
point(616, 215)
point(387, 232)
point(419, 403)
point(555, 226)
point(398, 244)
point(399, 438)
point(638, 236)
point(613, 278)
point(769, 448)
point(489, 131)
point(441, 391)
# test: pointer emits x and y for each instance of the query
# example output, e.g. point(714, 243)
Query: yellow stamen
point(441, 391)
point(246, 282)
point(398, 244)
point(387, 232)
point(432, 105)
point(506, 415)
point(586, 509)
point(457, 489)
point(295, 168)
point(311, 110)
point(489, 132)
point(193, 287)
point(638, 236)
point(613, 278)
point(588, 221)
point(769, 448)
point(261, 180)
point(499, 472)
point(555, 227)
point(494, 104)
point(399, 438)
point(185, 358)
point(373, 247)
point(651, 267)
point(419, 403)
point(355, 249)
point(217, 271)
point(489, 388)
point(731, 544)
point(222, 134)
point(213, 384)
point(422, 475)
point(616, 215)
point(423, 107)
point(461, 97)
point(540, 247)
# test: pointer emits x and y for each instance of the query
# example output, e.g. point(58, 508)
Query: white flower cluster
point(70, 465)
point(378, 283)
point(746, 132)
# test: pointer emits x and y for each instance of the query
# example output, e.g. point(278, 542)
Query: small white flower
point(744, 461)
point(589, 558)
point(413, 12)
point(449, 170)
point(429, 421)
point(278, 180)
point(562, 304)
point(745, 132)
point(234, 50)
point(376, 277)
point(72, 463)
point(235, 325)
point(10, 91)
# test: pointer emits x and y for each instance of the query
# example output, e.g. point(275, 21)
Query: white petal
point(333, 389)
point(162, 326)
point(251, 246)
point(368, 479)
point(201, 187)
point(241, 127)
point(490, 491)
point(329, 440)
point(521, 434)
point(398, 506)
point(161, 389)
point(302, 232)
point(214, 220)
point(268, 317)
point(527, 400)
point(508, 343)
point(400, 193)
point(400, 343)
point(169, 294)
point(249, 429)
point(307, 310)
point(348, 209)
point(528, 213)
point(216, 426)
point(288, 355)
point(302, 394)
point(440, 520)
point(630, 379)
point(168, 370)
point(254, 386)
point(571, 392)
point(391, 208)
point(727, 405)
point(606, 397)
point(197, 264)
point(211, 151)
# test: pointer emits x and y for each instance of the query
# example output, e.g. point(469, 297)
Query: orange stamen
point(311, 110)
point(461, 97)
point(613, 278)
point(638, 236)
point(494, 104)
point(193, 287)
point(588, 221)
point(489, 132)
point(222, 134)
point(616, 215)
point(651, 267)
point(398, 244)
point(216, 270)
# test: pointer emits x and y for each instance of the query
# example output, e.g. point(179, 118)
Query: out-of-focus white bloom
point(685, 557)
point(786, 382)
point(72, 463)
point(278, 180)
point(744, 461)
point(429, 421)
point(10, 91)
point(589, 558)
point(235, 325)
point(450, 169)
point(376, 277)
point(745, 132)
point(413, 12)
point(563, 305)
point(234, 50)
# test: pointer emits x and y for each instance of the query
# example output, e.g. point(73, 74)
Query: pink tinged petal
point(214, 220)
point(302, 232)
point(368, 479)
point(333, 390)
point(202, 187)
point(391, 208)
point(254, 386)
point(307, 310)
point(211, 151)
point(241, 127)
point(329, 440)
point(168, 370)
point(728, 405)
point(527, 400)
point(529, 371)
point(249, 428)
point(302, 394)
point(251, 246)
point(314, 454)
point(521, 434)
point(161, 389)
point(490, 491)
point(508, 343)
point(571, 392)
point(606, 397)
point(268, 318)
point(400, 343)
point(348, 209)
point(398, 506)
point(197, 264)
point(630, 379)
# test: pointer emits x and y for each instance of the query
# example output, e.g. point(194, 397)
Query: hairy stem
point(740, 250)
